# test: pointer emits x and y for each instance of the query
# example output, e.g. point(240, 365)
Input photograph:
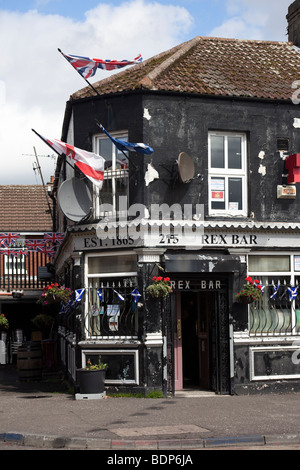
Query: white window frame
point(111, 174)
point(227, 173)
point(104, 275)
point(115, 352)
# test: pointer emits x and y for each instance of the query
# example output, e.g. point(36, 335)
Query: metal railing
point(112, 312)
point(21, 272)
point(276, 313)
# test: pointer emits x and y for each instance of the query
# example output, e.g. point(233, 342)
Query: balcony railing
point(113, 314)
point(107, 311)
point(275, 314)
point(21, 272)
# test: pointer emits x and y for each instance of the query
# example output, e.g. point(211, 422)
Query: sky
point(36, 81)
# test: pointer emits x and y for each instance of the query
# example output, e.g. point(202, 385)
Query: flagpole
point(94, 89)
point(60, 154)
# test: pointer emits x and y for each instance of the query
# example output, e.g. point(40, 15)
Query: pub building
point(226, 137)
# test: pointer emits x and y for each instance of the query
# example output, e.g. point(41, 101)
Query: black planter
point(91, 381)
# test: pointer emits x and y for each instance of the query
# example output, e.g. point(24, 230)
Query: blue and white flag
point(136, 295)
point(121, 145)
point(120, 297)
point(79, 294)
point(100, 294)
point(292, 293)
point(275, 290)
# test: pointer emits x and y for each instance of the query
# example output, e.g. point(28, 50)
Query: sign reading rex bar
point(230, 239)
point(90, 243)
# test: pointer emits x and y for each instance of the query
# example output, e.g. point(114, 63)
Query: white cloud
point(36, 81)
point(254, 19)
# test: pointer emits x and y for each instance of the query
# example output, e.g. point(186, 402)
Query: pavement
point(45, 414)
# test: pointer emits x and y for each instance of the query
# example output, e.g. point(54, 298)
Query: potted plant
point(92, 377)
point(160, 288)
point(251, 291)
point(4, 325)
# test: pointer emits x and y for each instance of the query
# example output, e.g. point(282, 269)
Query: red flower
point(167, 279)
point(249, 279)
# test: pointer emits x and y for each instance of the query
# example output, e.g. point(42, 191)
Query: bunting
point(54, 237)
point(292, 293)
point(275, 290)
point(7, 238)
point(135, 294)
point(34, 245)
point(78, 294)
point(99, 293)
point(120, 297)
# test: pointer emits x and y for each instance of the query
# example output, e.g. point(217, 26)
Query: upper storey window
point(227, 182)
point(115, 183)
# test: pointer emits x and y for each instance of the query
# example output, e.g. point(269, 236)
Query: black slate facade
point(200, 336)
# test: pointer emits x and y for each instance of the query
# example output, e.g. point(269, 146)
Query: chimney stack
point(293, 19)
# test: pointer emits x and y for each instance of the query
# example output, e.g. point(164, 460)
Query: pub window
point(227, 173)
point(122, 364)
point(115, 182)
point(110, 309)
point(277, 312)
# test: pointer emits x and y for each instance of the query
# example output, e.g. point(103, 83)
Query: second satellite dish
point(75, 199)
point(186, 168)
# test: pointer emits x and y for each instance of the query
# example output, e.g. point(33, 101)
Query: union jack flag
point(34, 245)
point(8, 238)
point(9, 252)
point(87, 66)
point(54, 237)
point(49, 251)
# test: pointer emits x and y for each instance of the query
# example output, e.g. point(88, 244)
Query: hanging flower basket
point(55, 294)
point(251, 292)
point(160, 288)
point(3, 322)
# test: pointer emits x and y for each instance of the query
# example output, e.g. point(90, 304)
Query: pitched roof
point(23, 209)
point(214, 67)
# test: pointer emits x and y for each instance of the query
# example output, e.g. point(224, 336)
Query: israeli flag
point(292, 293)
point(79, 294)
point(120, 297)
point(136, 295)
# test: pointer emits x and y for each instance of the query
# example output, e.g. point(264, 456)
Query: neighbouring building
point(25, 216)
point(223, 119)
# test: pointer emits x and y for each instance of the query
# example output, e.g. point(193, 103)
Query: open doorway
point(197, 311)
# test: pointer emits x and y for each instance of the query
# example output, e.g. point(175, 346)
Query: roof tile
point(23, 208)
point(212, 66)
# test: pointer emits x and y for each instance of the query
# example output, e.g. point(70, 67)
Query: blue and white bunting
point(292, 293)
point(135, 294)
point(120, 297)
point(100, 294)
point(275, 290)
point(79, 294)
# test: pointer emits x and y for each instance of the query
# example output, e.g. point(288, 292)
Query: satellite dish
point(186, 168)
point(75, 199)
